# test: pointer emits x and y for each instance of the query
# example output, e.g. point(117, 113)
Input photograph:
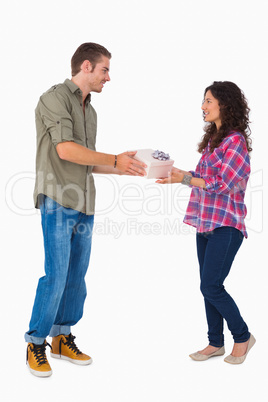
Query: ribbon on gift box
point(160, 155)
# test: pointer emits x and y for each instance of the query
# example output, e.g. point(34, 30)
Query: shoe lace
point(71, 344)
point(39, 352)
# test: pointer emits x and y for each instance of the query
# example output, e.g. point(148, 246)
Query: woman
point(216, 208)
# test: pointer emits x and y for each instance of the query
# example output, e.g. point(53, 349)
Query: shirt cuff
point(61, 133)
point(212, 186)
point(194, 174)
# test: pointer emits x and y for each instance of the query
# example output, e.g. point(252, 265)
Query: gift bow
point(160, 155)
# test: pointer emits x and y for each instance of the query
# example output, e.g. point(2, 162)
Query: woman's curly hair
point(234, 115)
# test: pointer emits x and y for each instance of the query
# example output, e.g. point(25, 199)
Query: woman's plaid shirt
point(226, 171)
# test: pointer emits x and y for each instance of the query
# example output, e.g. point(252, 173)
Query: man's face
point(99, 76)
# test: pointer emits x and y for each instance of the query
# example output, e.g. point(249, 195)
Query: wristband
point(186, 179)
point(115, 161)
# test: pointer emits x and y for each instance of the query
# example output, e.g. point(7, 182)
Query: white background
point(144, 313)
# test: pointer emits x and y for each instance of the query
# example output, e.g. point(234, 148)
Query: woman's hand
point(175, 176)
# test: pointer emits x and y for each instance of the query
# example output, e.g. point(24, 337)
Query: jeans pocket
point(51, 205)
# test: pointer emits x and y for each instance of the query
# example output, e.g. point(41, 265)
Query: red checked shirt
point(226, 171)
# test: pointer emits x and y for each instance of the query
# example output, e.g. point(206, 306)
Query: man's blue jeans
point(62, 291)
point(216, 251)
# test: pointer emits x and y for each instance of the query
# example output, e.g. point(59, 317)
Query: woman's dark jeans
point(216, 251)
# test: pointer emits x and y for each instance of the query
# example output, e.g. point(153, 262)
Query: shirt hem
point(244, 233)
point(37, 204)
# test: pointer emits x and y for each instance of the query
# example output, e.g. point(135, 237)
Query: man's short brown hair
point(88, 51)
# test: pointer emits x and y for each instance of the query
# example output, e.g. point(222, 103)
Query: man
point(65, 193)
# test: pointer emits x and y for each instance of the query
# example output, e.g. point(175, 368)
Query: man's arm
point(106, 170)
point(76, 153)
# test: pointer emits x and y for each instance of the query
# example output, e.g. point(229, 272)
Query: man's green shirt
point(60, 117)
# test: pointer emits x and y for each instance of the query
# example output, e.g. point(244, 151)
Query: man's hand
point(130, 166)
point(175, 176)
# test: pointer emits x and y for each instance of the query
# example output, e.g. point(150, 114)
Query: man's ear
point(86, 66)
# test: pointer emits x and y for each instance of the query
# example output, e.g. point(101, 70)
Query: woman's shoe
point(199, 357)
point(238, 360)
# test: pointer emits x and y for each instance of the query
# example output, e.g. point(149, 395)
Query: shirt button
point(58, 122)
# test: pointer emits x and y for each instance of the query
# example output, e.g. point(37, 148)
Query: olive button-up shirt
point(60, 117)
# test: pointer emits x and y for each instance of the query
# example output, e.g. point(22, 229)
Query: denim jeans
point(61, 293)
point(216, 251)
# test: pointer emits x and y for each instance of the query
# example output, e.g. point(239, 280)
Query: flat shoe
point(199, 357)
point(238, 360)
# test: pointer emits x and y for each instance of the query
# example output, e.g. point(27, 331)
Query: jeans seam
point(68, 275)
point(221, 269)
point(226, 253)
point(47, 263)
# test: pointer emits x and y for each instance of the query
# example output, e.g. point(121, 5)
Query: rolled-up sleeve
point(234, 168)
point(195, 173)
point(55, 116)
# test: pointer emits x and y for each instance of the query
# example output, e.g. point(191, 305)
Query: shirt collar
point(74, 88)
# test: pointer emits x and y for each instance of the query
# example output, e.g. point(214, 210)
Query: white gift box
point(156, 169)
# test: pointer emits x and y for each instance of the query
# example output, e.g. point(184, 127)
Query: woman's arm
point(235, 167)
point(177, 176)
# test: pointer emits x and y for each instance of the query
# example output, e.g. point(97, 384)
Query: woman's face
point(211, 109)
